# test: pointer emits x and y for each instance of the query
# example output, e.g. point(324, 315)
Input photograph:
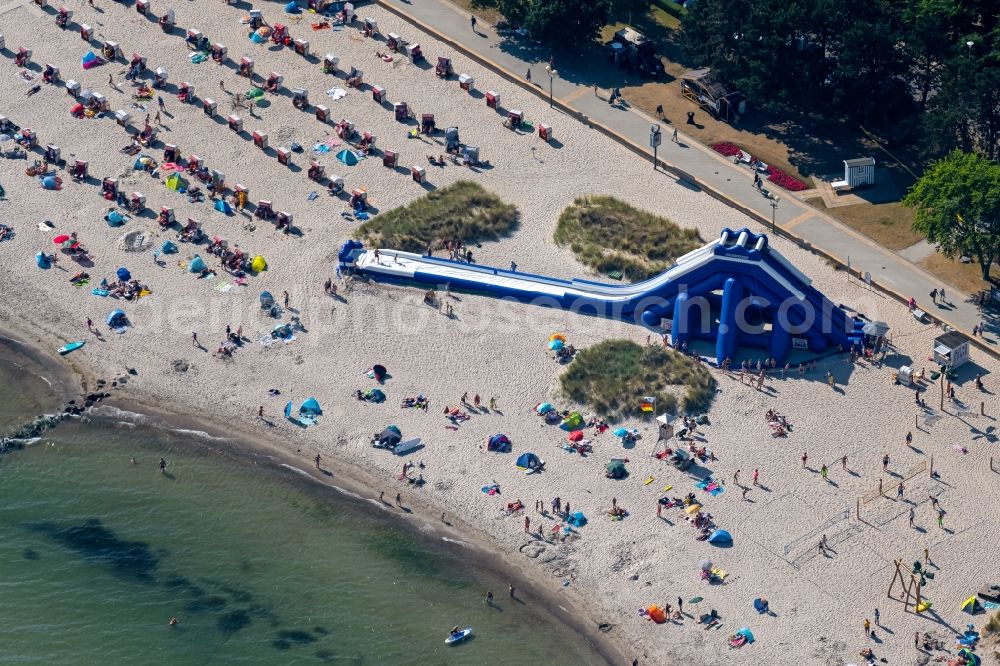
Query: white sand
point(493, 348)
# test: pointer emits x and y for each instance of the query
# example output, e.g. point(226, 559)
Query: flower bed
point(774, 174)
point(782, 179)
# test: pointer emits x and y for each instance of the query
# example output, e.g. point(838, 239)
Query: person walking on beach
point(868, 628)
point(513, 267)
point(527, 525)
point(674, 137)
point(287, 298)
point(885, 462)
point(940, 519)
point(493, 403)
point(381, 497)
point(90, 324)
point(805, 457)
point(260, 412)
point(680, 605)
point(472, 22)
point(475, 400)
point(194, 339)
point(899, 491)
point(163, 465)
point(659, 510)
point(489, 597)
point(878, 618)
point(510, 589)
point(823, 472)
point(912, 516)
point(399, 499)
point(909, 438)
point(736, 477)
point(843, 462)
point(527, 76)
point(756, 474)
point(317, 459)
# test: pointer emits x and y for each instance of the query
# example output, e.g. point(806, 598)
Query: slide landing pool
point(735, 291)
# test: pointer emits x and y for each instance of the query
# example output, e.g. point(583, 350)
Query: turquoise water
point(98, 554)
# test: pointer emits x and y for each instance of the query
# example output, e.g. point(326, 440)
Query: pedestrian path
point(698, 166)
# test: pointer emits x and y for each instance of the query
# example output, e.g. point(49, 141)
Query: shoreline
point(353, 485)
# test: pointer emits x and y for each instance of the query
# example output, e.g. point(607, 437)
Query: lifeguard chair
point(260, 140)
point(367, 141)
point(284, 156)
point(355, 77)
point(283, 220)
point(322, 113)
point(393, 42)
point(369, 27)
point(53, 154)
point(273, 82)
point(122, 117)
point(300, 99)
point(171, 153)
point(79, 171)
point(193, 38)
point(336, 185)
point(72, 88)
point(465, 82)
point(218, 180)
point(99, 103)
point(209, 106)
point(192, 164)
point(378, 94)
point(186, 92)
point(241, 196)
point(301, 47)
point(514, 119)
point(317, 171)
point(492, 99)
point(418, 174)
point(390, 158)
point(544, 132)
point(63, 17)
point(235, 123)
point(23, 57)
point(219, 52)
point(359, 199)
point(86, 32)
point(330, 63)
point(414, 51)
point(138, 63)
point(256, 19)
point(279, 35)
point(142, 7)
point(246, 67)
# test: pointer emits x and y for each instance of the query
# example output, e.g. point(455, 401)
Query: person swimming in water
point(173, 622)
point(163, 465)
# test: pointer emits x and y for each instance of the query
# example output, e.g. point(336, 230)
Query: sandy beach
point(493, 348)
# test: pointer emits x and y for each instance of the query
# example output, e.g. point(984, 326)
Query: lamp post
point(970, 44)
point(552, 75)
point(654, 141)
point(774, 209)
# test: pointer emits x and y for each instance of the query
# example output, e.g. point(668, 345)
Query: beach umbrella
point(61, 238)
point(123, 274)
point(693, 508)
point(49, 183)
point(695, 600)
point(556, 345)
point(544, 408)
point(557, 336)
point(395, 429)
point(720, 537)
point(620, 432)
point(575, 436)
point(379, 372)
point(705, 565)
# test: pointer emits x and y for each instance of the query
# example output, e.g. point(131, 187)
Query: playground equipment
point(734, 292)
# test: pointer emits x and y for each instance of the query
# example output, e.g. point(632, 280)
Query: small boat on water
point(71, 346)
point(458, 637)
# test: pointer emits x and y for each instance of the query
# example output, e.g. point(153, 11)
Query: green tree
point(957, 203)
point(566, 23)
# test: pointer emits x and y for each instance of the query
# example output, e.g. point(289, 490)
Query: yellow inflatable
point(258, 264)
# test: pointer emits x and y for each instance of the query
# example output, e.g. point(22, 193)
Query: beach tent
point(760, 605)
point(197, 265)
point(50, 183)
point(266, 300)
point(572, 422)
point(223, 207)
point(61, 238)
point(374, 395)
point(311, 408)
point(292, 8)
point(575, 436)
point(255, 38)
point(498, 442)
point(115, 219)
point(281, 331)
point(615, 470)
point(656, 614)
point(556, 345)
point(544, 408)
point(528, 461)
point(390, 437)
point(168, 247)
point(257, 265)
point(348, 157)
point(720, 537)
point(745, 633)
point(379, 373)
point(175, 182)
point(577, 519)
point(972, 606)
point(90, 59)
point(117, 319)
point(42, 260)
point(123, 274)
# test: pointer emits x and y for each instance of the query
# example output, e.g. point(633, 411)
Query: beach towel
point(336, 93)
point(97, 291)
point(198, 57)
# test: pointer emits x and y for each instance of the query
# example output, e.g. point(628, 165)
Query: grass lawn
point(463, 211)
point(968, 278)
point(888, 224)
point(614, 376)
point(610, 236)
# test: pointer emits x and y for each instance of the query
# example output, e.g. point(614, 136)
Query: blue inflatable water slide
point(735, 292)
